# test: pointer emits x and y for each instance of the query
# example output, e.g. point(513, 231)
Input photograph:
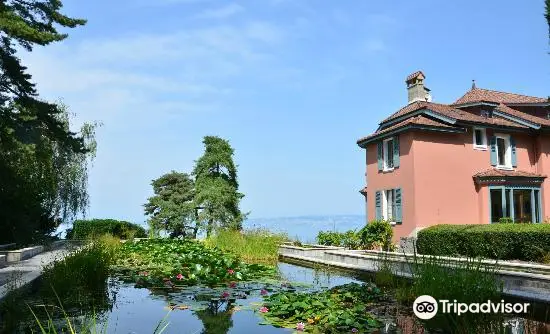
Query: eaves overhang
point(424, 111)
point(484, 180)
point(474, 104)
point(516, 119)
point(363, 142)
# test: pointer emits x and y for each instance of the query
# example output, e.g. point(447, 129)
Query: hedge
point(527, 242)
point(83, 229)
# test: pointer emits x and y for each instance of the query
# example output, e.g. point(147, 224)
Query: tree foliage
point(172, 208)
point(547, 15)
point(28, 23)
point(216, 186)
point(43, 164)
point(44, 182)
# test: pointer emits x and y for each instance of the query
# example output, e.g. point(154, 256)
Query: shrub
point(528, 242)
point(328, 238)
point(377, 233)
point(349, 239)
point(505, 220)
point(84, 229)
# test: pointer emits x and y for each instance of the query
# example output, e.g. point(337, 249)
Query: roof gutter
point(539, 104)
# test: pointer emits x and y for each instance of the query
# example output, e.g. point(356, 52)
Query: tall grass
point(252, 246)
point(83, 273)
point(468, 281)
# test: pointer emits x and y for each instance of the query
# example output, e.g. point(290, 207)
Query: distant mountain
point(305, 228)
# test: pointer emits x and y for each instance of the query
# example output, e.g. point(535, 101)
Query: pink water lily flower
point(179, 277)
point(144, 273)
point(354, 330)
point(225, 294)
point(230, 271)
point(263, 292)
point(264, 309)
point(300, 326)
point(232, 285)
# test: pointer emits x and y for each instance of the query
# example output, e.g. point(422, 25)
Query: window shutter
point(380, 156)
point(513, 148)
point(378, 205)
point(396, 151)
point(398, 216)
point(493, 151)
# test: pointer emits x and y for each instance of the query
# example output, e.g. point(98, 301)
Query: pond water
point(140, 310)
point(199, 310)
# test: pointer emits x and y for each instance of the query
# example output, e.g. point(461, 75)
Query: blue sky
point(291, 83)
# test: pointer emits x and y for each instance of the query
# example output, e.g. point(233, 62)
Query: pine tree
point(216, 186)
point(28, 23)
point(171, 209)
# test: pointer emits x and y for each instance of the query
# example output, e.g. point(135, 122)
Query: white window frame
point(483, 146)
point(385, 205)
point(507, 153)
point(385, 154)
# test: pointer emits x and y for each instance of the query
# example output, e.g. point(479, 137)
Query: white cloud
point(221, 12)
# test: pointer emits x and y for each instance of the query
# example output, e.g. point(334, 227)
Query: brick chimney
point(416, 89)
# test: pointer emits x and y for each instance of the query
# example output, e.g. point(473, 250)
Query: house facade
point(480, 159)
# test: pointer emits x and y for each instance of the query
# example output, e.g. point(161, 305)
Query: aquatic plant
point(171, 263)
point(337, 310)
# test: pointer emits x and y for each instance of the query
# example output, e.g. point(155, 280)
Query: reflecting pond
point(201, 310)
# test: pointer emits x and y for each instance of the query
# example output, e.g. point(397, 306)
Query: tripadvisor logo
point(426, 307)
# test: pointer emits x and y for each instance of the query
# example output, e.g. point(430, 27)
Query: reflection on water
point(202, 310)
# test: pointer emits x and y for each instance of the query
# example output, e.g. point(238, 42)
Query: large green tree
point(27, 23)
point(43, 164)
point(547, 15)
point(172, 208)
point(216, 186)
point(44, 182)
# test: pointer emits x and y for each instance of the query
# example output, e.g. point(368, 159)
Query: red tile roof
point(451, 112)
point(528, 117)
point(493, 172)
point(416, 120)
point(413, 75)
point(486, 95)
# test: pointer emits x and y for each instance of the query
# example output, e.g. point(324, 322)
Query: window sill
point(505, 167)
point(480, 148)
point(388, 170)
point(393, 223)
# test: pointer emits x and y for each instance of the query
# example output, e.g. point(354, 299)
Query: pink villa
point(475, 161)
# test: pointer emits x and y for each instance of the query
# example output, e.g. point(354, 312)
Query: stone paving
point(20, 273)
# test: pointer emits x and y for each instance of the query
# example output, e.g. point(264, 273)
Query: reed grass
point(83, 273)
point(252, 246)
point(468, 281)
